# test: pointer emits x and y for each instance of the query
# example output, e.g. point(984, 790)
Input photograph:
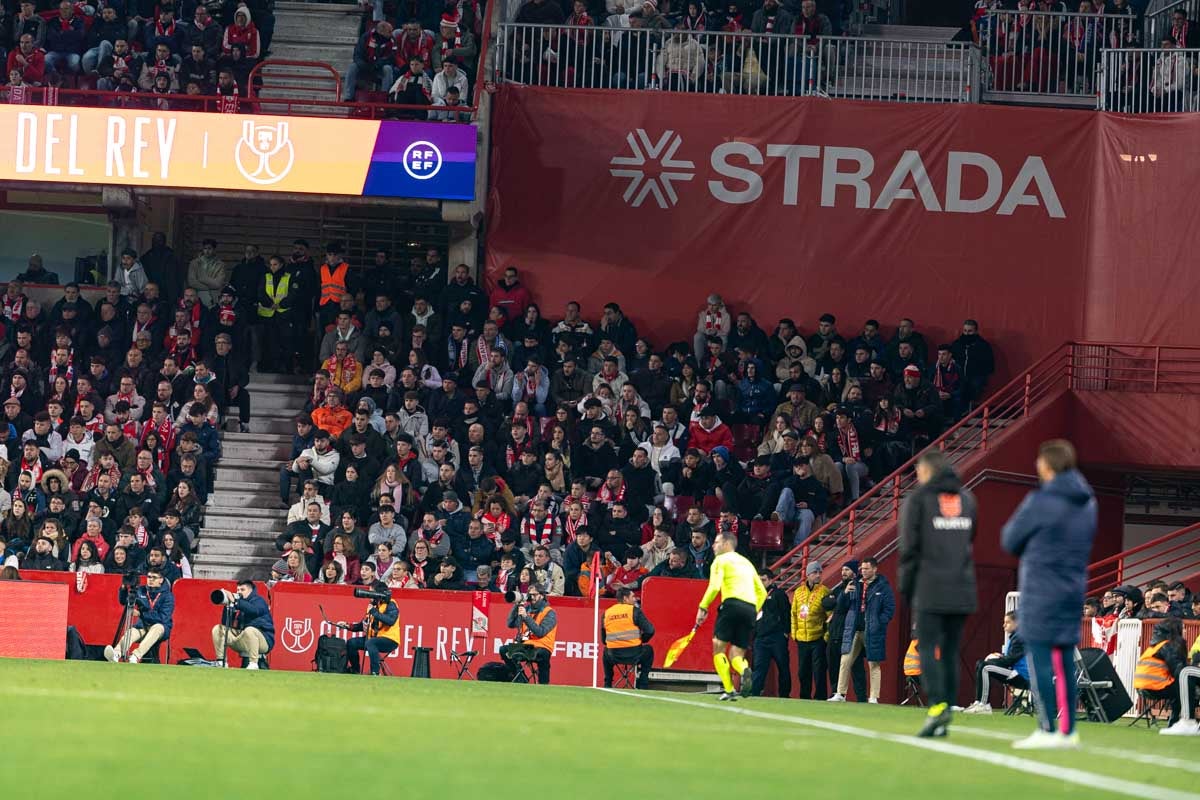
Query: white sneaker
point(110, 654)
point(837, 698)
point(958, 709)
point(1068, 742)
point(252, 665)
point(1041, 740)
point(133, 659)
point(978, 708)
point(220, 662)
point(1185, 727)
point(873, 701)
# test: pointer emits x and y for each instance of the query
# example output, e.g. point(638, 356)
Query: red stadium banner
point(35, 619)
point(670, 604)
point(95, 611)
point(438, 620)
point(796, 207)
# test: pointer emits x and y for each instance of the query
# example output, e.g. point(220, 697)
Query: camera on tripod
point(378, 597)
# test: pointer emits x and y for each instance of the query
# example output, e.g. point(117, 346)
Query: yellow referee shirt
point(734, 576)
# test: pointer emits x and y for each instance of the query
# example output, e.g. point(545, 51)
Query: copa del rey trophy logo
point(264, 155)
point(297, 635)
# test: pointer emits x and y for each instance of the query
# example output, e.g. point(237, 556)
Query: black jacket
point(776, 614)
point(937, 536)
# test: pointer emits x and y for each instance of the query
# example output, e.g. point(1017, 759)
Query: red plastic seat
point(766, 537)
point(711, 505)
point(682, 503)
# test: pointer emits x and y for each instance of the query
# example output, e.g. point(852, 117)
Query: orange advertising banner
point(185, 149)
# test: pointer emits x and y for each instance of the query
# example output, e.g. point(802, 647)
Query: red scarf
point(94, 473)
point(549, 527)
point(67, 372)
point(447, 48)
point(421, 48)
point(848, 442)
point(159, 30)
point(606, 495)
point(461, 353)
point(418, 569)
point(35, 469)
point(499, 525)
point(14, 306)
point(888, 422)
point(407, 582)
point(513, 452)
point(1178, 33)
point(95, 424)
point(573, 527)
point(130, 429)
point(165, 431)
point(483, 350)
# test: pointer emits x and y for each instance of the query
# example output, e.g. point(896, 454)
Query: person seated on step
point(1009, 667)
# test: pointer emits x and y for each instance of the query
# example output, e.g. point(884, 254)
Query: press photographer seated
point(536, 625)
point(250, 631)
point(381, 625)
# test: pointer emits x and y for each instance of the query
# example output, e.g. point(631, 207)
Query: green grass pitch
point(86, 730)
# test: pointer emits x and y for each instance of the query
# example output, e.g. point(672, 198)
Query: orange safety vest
point(333, 283)
point(377, 629)
point(912, 661)
point(619, 628)
point(1151, 672)
point(545, 642)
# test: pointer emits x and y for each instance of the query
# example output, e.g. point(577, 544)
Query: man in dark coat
point(837, 627)
point(870, 606)
point(1052, 532)
point(975, 360)
point(771, 639)
point(937, 577)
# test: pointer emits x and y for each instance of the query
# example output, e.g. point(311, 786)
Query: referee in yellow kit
point(742, 595)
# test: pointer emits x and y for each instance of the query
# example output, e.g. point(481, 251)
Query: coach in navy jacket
point(1051, 532)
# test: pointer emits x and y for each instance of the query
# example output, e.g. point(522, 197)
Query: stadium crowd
point(153, 48)
point(453, 436)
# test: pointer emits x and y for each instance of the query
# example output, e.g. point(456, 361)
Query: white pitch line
point(1089, 780)
point(1141, 758)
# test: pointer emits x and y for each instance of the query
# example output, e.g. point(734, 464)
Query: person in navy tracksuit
point(1052, 532)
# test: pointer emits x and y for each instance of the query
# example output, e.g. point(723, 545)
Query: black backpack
point(495, 671)
point(331, 655)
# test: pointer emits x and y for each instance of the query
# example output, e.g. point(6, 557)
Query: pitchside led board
point(238, 152)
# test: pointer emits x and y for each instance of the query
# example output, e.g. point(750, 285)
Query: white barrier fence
point(736, 63)
point(1149, 81)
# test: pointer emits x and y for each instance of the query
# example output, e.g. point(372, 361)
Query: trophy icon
point(268, 149)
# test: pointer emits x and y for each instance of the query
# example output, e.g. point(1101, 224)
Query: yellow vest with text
point(1152, 672)
point(619, 628)
point(385, 632)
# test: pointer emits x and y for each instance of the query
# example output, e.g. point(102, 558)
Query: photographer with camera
point(536, 624)
point(381, 624)
point(626, 633)
point(153, 605)
point(247, 628)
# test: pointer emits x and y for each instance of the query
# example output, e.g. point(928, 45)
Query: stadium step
point(229, 549)
point(235, 535)
point(260, 380)
point(322, 32)
point(258, 487)
point(241, 497)
point(230, 568)
point(920, 33)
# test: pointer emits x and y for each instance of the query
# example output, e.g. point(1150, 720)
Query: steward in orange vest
point(536, 625)
point(626, 631)
point(334, 280)
point(1154, 676)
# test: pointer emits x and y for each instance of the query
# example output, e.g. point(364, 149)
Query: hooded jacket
point(1052, 532)
point(937, 535)
point(705, 439)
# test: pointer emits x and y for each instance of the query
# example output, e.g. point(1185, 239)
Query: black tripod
point(125, 626)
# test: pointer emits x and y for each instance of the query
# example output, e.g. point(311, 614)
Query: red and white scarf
point(13, 307)
point(483, 350)
point(607, 496)
point(418, 569)
point(448, 47)
point(848, 442)
point(35, 469)
point(539, 534)
point(573, 527)
point(513, 452)
point(499, 523)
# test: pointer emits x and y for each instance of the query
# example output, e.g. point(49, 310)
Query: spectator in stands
point(677, 565)
point(906, 332)
point(27, 60)
point(450, 75)
point(205, 32)
point(207, 273)
point(946, 380)
point(454, 42)
point(709, 432)
point(65, 40)
point(319, 462)
point(166, 31)
point(540, 12)
point(713, 320)
point(27, 20)
point(242, 32)
point(102, 36)
point(975, 360)
point(918, 404)
point(374, 59)
point(42, 557)
point(1185, 33)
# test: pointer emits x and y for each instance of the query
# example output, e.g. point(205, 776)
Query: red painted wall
point(1133, 429)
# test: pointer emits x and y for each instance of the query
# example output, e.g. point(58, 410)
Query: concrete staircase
point(243, 516)
point(324, 32)
point(923, 71)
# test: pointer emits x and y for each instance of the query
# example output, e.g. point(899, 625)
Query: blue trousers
point(374, 646)
point(773, 647)
point(1052, 676)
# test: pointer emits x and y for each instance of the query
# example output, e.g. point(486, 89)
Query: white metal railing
point(737, 63)
point(1160, 19)
point(1149, 81)
point(1029, 53)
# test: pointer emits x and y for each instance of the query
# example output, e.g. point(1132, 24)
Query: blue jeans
point(788, 512)
point(63, 62)
point(853, 475)
point(375, 646)
point(387, 75)
point(1052, 676)
point(285, 483)
point(93, 57)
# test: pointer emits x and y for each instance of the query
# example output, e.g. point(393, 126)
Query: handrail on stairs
point(1127, 567)
point(317, 66)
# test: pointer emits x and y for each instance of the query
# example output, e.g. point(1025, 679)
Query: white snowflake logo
point(659, 187)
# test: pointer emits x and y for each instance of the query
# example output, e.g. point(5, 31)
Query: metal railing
point(1149, 81)
point(304, 107)
point(1159, 17)
point(1170, 557)
point(736, 63)
point(1082, 366)
point(1053, 56)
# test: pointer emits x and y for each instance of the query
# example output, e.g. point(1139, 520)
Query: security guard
point(626, 632)
point(335, 282)
point(381, 627)
point(276, 293)
point(937, 575)
point(1154, 676)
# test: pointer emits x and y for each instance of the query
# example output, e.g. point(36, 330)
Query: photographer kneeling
point(247, 628)
point(536, 625)
point(154, 606)
point(381, 625)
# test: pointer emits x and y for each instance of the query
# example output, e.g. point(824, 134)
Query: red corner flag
point(594, 588)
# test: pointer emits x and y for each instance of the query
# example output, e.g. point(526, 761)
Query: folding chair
point(912, 692)
point(526, 671)
point(624, 676)
point(1089, 689)
point(766, 537)
point(1152, 708)
point(462, 662)
point(1020, 703)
